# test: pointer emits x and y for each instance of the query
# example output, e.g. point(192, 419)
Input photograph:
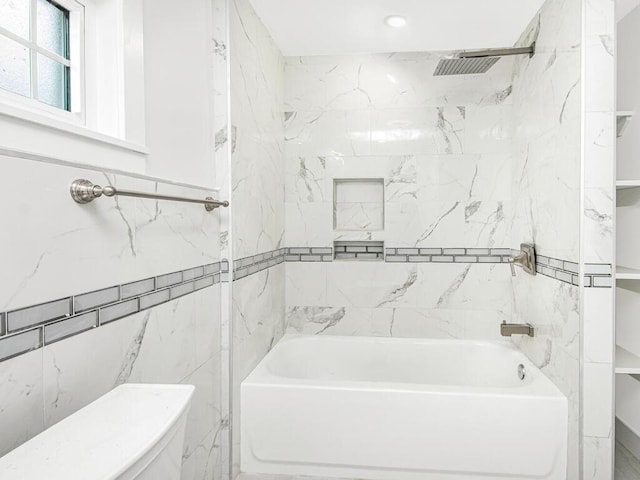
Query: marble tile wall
point(257, 192)
point(598, 241)
point(483, 162)
point(476, 161)
point(58, 248)
point(546, 198)
point(441, 146)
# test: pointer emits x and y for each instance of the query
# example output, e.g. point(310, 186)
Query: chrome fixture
point(522, 372)
point(499, 52)
point(469, 62)
point(526, 259)
point(83, 191)
point(508, 329)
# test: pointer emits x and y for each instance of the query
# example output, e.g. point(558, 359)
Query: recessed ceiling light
point(395, 21)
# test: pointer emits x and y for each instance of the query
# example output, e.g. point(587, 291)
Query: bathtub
point(396, 409)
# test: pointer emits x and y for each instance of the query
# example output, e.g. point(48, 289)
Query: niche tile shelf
point(623, 118)
point(624, 184)
point(626, 362)
point(626, 273)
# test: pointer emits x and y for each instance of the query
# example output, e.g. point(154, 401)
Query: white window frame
point(110, 130)
point(76, 64)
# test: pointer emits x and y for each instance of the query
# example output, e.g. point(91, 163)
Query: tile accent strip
point(360, 250)
point(246, 266)
point(25, 329)
point(448, 255)
point(596, 275)
point(257, 263)
point(309, 254)
point(565, 271)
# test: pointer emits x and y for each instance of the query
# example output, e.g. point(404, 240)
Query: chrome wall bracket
point(499, 52)
point(83, 191)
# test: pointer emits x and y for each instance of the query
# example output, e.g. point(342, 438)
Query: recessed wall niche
point(358, 204)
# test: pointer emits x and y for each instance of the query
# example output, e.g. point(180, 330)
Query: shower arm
point(499, 52)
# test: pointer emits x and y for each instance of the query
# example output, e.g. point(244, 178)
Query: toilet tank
point(132, 432)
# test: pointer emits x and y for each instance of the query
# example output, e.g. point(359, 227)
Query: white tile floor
point(627, 466)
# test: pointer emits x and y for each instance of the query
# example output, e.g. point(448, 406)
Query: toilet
point(132, 432)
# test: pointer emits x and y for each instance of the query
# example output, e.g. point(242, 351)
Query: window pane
point(14, 16)
point(53, 28)
point(53, 81)
point(14, 67)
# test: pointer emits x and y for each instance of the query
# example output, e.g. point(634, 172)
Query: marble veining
point(256, 170)
point(132, 352)
point(397, 293)
point(545, 208)
point(324, 318)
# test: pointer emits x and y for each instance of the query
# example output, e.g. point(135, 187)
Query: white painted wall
point(179, 112)
point(149, 96)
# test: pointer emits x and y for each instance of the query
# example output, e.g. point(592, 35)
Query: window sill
point(69, 128)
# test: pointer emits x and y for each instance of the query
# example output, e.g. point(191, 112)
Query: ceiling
point(332, 27)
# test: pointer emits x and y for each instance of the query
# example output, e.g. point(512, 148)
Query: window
point(39, 53)
point(72, 76)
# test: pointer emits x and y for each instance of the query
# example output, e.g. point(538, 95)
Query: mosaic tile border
point(563, 270)
point(309, 254)
point(249, 265)
point(448, 255)
point(359, 250)
point(29, 328)
point(596, 275)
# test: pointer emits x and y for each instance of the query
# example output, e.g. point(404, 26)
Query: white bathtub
point(395, 409)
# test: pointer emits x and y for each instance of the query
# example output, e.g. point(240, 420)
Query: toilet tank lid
point(103, 438)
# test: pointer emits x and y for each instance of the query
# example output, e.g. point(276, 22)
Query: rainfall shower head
point(478, 61)
point(464, 66)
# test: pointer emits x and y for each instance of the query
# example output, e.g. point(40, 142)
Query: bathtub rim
point(539, 386)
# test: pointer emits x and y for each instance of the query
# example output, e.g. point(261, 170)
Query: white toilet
point(132, 432)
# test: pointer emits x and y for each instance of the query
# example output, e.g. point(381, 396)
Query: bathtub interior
point(394, 360)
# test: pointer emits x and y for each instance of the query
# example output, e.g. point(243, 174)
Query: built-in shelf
point(626, 273)
point(622, 184)
point(627, 362)
point(622, 121)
